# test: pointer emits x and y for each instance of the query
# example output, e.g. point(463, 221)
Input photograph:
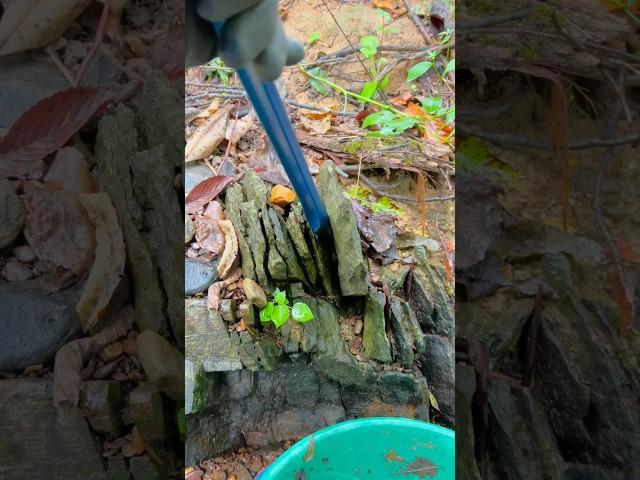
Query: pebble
point(216, 475)
point(194, 475)
point(24, 253)
point(242, 473)
point(189, 229)
point(162, 362)
point(111, 351)
point(282, 196)
point(254, 292)
point(14, 271)
point(357, 328)
point(198, 276)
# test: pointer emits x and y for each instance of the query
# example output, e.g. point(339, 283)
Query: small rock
point(14, 271)
point(111, 351)
point(256, 464)
point(198, 275)
point(216, 475)
point(189, 229)
point(162, 362)
point(146, 411)
point(194, 475)
point(11, 213)
point(118, 468)
point(255, 294)
point(100, 403)
point(142, 468)
point(228, 309)
point(282, 196)
point(357, 326)
point(242, 473)
point(24, 253)
point(375, 341)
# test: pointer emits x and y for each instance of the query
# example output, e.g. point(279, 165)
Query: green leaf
point(378, 117)
point(301, 312)
point(386, 16)
point(369, 89)
point(313, 38)
point(431, 104)
point(418, 70)
point(451, 115)
point(384, 83)
point(266, 313)
point(319, 86)
point(451, 67)
point(280, 297)
point(369, 46)
point(400, 124)
point(280, 315)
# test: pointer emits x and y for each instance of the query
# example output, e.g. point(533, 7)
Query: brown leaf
point(379, 229)
point(230, 254)
point(47, 126)
point(624, 298)
point(282, 196)
point(108, 266)
point(402, 99)
point(209, 235)
point(135, 446)
point(71, 358)
point(29, 24)
point(207, 137)
point(206, 191)
point(58, 228)
point(70, 171)
point(364, 114)
point(392, 456)
point(311, 450)
point(239, 128)
point(420, 467)
point(318, 127)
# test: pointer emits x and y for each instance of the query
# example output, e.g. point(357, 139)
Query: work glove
point(251, 36)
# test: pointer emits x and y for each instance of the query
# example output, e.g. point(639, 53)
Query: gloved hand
point(251, 36)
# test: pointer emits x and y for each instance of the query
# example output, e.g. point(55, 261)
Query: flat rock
point(146, 411)
point(189, 229)
point(233, 201)
point(255, 294)
point(11, 214)
point(100, 403)
point(295, 226)
point(40, 441)
point(352, 270)
point(285, 247)
point(255, 189)
point(374, 338)
point(35, 325)
point(162, 362)
point(195, 173)
point(207, 339)
point(275, 263)
point(256, 241)
point(198, 275)
point(439, 369)
point(142, 468)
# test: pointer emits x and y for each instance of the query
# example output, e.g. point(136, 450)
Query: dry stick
point(228, 149)
point(403, 198)
point(104, 16)
point(417, 22)
point(367, 71)
point(58, 63)
point(490, 22)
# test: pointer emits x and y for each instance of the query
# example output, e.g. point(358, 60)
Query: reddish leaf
point(206, 191)
point(624, 298)
point(47, 126)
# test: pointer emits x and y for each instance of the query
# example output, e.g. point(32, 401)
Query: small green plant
point(391, 124)
point(369, 50)
point(434, 106)
point(362, 195)
point(313, 38)
point(278, 310)
point(217, 68)
point(318, 79)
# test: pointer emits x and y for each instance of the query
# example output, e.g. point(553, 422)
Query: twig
point(404, 198)
point(417, 22)
point(104, 16)
point(229, 143)
point(511, 141)
point(318, 109)
point(490, 22)
point(58, 63)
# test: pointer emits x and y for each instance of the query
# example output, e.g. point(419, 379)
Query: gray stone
point(285, 247)
point(195, 173)
point(325, 260)
point(431, 302)
point(247, 313)
point(241, 473)
point(229, 309)
point(268, 353)
point(243, 344)
point(438, 366)
point(12, 213)
point(255, 294)
point(406, 331)
point(232, 202)
point(255, 189)
point(201, 388)
point(35, 325)
point(142, 468)
point(40, 441)
point(25, 254)
point(295, 226)
point(256, 241)
point(198, 275)
point(331, 414)
point(100, 402)
point(275, 263)
point(146, 411)
point(241, 384)
point(207, 341)
point(374, 339)
point(118, 468)
point(352, 270)
point(162, 362)
point(189, 229)
point(296, 423)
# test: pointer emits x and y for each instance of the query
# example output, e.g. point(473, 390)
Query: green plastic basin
point(371, 449)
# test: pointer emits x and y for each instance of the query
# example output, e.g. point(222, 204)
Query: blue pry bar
point(270, 110)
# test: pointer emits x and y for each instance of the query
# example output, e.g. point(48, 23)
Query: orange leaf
point(628, 251)
point(415, 110)
point(384, 5)
point(401, 100)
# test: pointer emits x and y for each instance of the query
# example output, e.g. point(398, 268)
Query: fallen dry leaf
point(402, 99)
point(58, 228)
point(392, 456)
point(415, 110)
point(379, 229)
point(29, 24)
point(235, 132)
point(420, 467)
point(230, 254)
point(108, 266)
point(207, 137)
point(70, 171)
point(318, 127)
point(282, 196)
point(311, 450)
point(209, 235)
point(210, 110)
point(135, 445)
point(70, 359)
point(47, 126)
point(206, 191)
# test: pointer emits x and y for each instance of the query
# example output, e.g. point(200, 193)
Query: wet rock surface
point(198, 275)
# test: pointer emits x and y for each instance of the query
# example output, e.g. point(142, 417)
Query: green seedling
point(313, 38)
point(362, 195)
point(278, 310)
point(391, 124)
point(217, 68)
